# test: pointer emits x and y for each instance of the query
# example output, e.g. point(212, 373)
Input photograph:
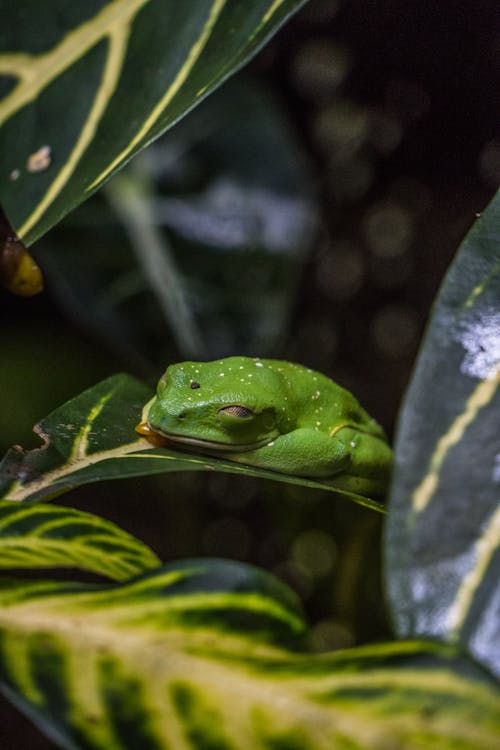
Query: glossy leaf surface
point(186, 657)
point(47, 536)
point(87, 85)
point(444, 519)
point(92, 438)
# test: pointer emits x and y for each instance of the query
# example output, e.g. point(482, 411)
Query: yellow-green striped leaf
point(185, 657)
point(444, 520)
point(47, 536)
point(86, 85)
point(92, 438)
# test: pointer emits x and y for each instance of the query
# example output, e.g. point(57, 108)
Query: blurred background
point(306, 211)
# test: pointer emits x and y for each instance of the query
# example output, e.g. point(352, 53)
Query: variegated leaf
point(87, 85)
point(48, 536)
point(444, 520)
point(92, 438)
point(186, 658)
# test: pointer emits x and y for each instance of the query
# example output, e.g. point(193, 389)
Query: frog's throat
point(213, 445)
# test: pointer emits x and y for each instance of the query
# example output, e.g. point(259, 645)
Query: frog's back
point(320, 403)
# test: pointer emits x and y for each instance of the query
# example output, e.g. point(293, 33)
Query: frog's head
point(227, 405)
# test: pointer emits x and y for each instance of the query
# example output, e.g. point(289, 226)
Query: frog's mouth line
point(213, 444)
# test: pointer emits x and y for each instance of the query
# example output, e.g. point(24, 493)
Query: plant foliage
point(186, 656)
point(47, 536)
point(208, 653)
point(444, 519)
point(92, 438)
point(88, 85)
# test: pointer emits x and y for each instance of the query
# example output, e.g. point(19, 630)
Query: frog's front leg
point(351, 459)
point(302, 452)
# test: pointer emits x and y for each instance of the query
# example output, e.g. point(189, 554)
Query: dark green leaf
point(210, 230)
point(90, 84)
point(47, 536)
point(92, 437)
point(444, 520)
point(186, 657)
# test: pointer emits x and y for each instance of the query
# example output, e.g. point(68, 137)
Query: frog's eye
point(236, 411)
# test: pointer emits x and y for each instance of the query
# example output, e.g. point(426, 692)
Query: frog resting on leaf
point(270, 414)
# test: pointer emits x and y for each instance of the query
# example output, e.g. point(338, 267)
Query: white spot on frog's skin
point(481, 340)
point(15, 174)
point(318, 424)
point(221, 374)
point(39, 160)
point(259, 364)
point(352, 444)
point(241, 367)
point(270, 445)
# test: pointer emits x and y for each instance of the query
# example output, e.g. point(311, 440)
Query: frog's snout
point(143, 429)
point(151, 436)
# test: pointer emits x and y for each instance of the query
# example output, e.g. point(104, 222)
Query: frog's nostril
point(182, 414)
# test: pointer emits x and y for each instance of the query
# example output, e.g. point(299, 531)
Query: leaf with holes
point(92, 438)
point(46, 536)
point(444, 519)
point(187, 656)
point(87, 85)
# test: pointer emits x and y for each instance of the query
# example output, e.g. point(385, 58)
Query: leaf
point(444, 519)
point(186, 657)
point(47, 536)
point(92, 438)
point(89, 85)
point(210, 230)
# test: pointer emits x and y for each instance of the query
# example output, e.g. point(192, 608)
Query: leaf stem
point(131, 197)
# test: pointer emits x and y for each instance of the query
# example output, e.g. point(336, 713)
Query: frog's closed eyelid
point(235, 410)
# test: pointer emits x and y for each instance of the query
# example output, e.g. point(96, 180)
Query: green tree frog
point(270, 414)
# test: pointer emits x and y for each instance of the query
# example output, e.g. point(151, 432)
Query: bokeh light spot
point(394, 331)
point(388, 230)
point(314, 551)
